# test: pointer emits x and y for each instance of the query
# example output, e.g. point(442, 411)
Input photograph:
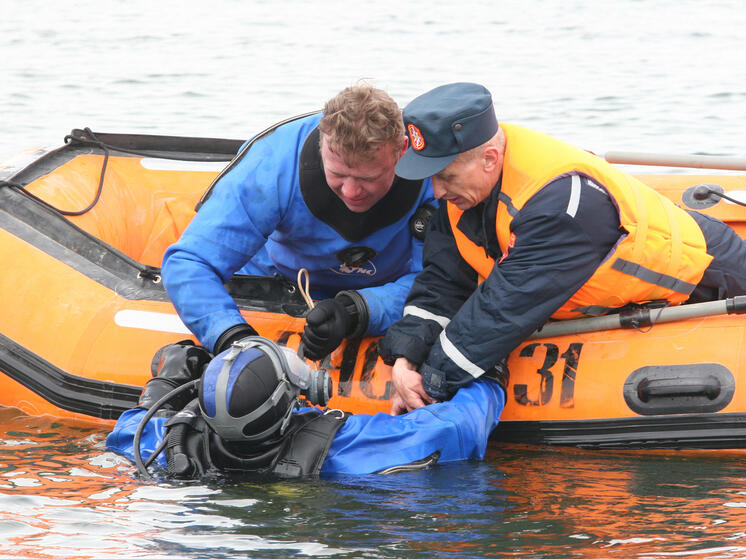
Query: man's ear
point(490, 158)
point(404, 145)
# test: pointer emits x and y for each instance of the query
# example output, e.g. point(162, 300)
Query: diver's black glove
point(332, 320)
point(233, 334)
point(174, 365)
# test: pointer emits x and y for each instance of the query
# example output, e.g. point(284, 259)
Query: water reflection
point(62, 495)
point(634, 503)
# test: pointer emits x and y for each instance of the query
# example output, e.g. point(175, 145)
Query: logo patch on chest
point(362, 269)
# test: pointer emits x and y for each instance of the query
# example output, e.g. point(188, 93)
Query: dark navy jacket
point(274, 213)
point(456, 329)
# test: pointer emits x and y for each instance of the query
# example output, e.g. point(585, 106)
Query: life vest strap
point(652, 277)
point(505, 199)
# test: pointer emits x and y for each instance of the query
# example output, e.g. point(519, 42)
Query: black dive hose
point(141, 467)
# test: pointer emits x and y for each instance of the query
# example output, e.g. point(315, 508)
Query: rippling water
point(665, 76)
point(61, 495)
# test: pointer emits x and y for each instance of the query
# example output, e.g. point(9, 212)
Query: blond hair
point(358, 120)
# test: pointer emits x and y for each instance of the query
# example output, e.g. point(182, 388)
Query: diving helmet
point(249, 391)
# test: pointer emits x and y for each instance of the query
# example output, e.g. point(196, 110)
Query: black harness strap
point(193, 449)
point(306, 449)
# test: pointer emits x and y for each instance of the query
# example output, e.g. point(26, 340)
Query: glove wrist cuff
point(357, 308)
point(233, 334)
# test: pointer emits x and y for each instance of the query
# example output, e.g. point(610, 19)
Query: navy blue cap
point(442, 123)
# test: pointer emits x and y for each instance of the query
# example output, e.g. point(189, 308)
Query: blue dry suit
point(458, 428)
point(273, 212)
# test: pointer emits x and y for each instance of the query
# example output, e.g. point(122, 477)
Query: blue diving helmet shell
point(245, 394)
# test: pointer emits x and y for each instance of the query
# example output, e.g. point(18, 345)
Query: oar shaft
point(641, 318)
point(668, 160)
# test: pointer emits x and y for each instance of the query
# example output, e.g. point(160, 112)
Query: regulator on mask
point(249, 391)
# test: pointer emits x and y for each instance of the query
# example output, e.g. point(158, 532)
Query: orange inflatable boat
point(82, 231)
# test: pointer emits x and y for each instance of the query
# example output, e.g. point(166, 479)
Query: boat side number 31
point(570, 358)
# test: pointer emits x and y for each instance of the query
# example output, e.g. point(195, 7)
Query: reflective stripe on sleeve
point(572, 206)
point(427, 315)
point(459, 358)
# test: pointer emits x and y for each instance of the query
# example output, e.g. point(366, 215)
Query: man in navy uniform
point(532, 229)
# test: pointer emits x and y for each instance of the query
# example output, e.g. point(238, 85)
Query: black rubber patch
point(679, 389)
point(699, 197)
point(105, 400)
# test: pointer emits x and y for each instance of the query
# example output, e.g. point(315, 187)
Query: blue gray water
point(662, 76)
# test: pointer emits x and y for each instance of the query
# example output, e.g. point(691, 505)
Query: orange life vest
point(662, 256)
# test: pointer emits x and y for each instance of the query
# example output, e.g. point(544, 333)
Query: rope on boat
point(703, 191)
point(303, 281)
point(90, 140)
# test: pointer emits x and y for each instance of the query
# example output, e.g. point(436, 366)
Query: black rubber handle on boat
point(667, 388)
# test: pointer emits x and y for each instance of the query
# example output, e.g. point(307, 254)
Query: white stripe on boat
point(156, 164)
point(739, 195)
point(147, 320)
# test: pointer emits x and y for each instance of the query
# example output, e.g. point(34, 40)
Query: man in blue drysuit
point(320, 193)
point(246, 419)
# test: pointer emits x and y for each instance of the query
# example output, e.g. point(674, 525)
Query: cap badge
point(418, 141)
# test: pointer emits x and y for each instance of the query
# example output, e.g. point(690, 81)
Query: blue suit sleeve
point(229, 229)
point(121, 439)
point(459, 429)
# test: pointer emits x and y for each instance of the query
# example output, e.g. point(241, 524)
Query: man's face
point(362, 185)
point(464, 183)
